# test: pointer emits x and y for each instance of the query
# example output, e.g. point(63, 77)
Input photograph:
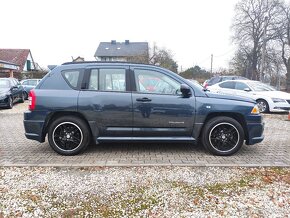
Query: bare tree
point(164, 58)
point(254, 24)
point(283, 28)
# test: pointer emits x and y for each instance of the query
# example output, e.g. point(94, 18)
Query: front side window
point(241, 86)
point(72, 77)
point(112, 80)
point(155, 82)
point(228, 85)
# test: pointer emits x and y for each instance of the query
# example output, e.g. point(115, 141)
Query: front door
point(159, 110)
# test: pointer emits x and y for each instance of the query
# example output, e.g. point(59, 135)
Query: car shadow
point(146, 147)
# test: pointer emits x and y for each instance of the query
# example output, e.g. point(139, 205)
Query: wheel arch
point(236, 116)
point(55, 115)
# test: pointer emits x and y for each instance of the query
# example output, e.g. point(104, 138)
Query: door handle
point(143, 99)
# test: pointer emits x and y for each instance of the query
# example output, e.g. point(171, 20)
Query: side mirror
point(185, 90)
point(247, 89)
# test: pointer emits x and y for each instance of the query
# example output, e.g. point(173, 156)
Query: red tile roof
point(15, 56)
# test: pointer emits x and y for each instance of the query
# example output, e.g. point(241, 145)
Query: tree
point(254, 24)
point(195, 73)
point(283, 28)
point(164, 58)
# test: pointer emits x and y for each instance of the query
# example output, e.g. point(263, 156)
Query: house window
point(28, 64)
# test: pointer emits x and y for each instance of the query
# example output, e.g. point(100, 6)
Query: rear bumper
point(33, 128)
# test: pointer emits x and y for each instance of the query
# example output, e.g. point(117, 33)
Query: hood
point(230, 97)
point(4, 91)
point(275, 94)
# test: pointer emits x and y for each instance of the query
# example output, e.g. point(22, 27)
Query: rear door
point(158, 108)
point(107, 102)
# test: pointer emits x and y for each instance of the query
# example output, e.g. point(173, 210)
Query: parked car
point(29, 84)
point(77, 103)
point(11, 91)
point(217, 79)
point(267, 97)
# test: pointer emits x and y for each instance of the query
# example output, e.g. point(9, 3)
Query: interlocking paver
point(16, 150)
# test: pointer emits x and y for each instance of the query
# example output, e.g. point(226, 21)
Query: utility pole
point(211, 61)
point(262, 72)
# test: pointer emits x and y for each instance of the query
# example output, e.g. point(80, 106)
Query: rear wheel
point(68, 135)
point(263, 106)
point(223, 136)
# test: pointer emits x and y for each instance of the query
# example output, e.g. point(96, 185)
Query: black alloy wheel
point(68, 135)
point(223, 136)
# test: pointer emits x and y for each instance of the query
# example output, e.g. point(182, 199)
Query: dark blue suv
point(79, 103)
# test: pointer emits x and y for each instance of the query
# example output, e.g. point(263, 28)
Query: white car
point(268, 98)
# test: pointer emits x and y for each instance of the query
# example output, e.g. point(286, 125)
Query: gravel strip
point(144, 192)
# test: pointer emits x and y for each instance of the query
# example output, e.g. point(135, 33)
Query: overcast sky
point(56, 30)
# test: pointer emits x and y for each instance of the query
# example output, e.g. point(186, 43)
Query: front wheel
point(68, 135)
point(223, 136)
point(22, 98)
point(263, 106)
point(10, 102)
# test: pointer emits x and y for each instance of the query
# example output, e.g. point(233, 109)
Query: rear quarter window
point(72, 77)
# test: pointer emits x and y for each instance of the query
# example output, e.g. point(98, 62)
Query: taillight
point(206, 85)
point(32, 100)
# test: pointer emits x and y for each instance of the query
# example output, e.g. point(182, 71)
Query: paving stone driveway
point(16, 150)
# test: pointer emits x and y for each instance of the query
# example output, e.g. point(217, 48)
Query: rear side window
point(112, 80)
point(72, 77)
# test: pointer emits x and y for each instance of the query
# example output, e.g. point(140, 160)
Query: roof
point(15, 56)
point(121, 49)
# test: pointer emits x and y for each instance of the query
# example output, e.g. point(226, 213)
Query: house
point(21, 58)
point(123, 51)
point(78, 59)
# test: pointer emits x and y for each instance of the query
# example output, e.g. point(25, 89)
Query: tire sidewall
point(211, 124)
point(76, 121)
point(10, 102)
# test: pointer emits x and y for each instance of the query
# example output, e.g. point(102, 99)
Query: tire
point(10, 103)
point(25, 95)
point(263, 106)
point(22, 98)
point(223, 136)
point(68, 135)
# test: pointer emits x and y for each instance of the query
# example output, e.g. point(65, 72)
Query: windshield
point(4, 84)
point(261, 87)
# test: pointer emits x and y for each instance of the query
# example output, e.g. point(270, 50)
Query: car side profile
point(79, 103)
point(268, 98)
point(218, 79)
point(11, 91)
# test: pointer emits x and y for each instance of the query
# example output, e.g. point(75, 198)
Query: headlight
point(276, 100)
point(255, 110)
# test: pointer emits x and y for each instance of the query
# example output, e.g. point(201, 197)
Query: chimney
point(113, 42)
point(126, 42)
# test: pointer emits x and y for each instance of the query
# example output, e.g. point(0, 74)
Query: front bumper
point(4, 102)
point(255, 129)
